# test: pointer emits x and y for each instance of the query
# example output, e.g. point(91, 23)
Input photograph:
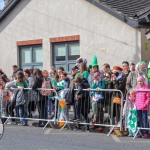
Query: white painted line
point(48, 131)
point(115, 138)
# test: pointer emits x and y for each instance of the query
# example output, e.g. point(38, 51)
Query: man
point(71, 94)
point(14, 68)
point(140, 70)
point(125, 68)
point(132, 67)
point(74, 71)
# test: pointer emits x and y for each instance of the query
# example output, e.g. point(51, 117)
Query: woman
point(82, 65)
point(118, 82)
point(38, 79)
point(31, 94)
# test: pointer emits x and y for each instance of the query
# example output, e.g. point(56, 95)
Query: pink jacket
point(142, 99)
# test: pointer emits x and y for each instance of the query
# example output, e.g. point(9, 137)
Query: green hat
point(141, 63)
point(94, 61)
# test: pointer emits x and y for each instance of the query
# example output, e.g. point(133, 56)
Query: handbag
point(117, 100)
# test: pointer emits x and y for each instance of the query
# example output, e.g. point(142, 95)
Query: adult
point(14, 68)
point(38, 79)
point(105, 69)
point(132, 77)
point(32, 96)
point(125, 68)
point(118, 83)
point(74, 71)
point(82, 65)
point(132, 67)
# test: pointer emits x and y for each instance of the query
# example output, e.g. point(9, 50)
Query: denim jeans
point(51, 106)
point(23, 113)
point(143, 120)
point(77, 109)
point(97, 109)
point(66, 113)
point(43, 108)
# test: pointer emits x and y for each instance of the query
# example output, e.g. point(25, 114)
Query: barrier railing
point(11, 111)
point(136, 113)
point(103, 109)
point(99, 112)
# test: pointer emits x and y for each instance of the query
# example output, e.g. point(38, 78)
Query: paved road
point(34, 138)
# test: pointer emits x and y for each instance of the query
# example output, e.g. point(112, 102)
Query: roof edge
point(8, 8)
point(125, 19)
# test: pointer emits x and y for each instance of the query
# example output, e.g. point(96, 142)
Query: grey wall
point(100, 33)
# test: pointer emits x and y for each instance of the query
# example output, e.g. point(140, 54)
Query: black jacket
point(37, 83)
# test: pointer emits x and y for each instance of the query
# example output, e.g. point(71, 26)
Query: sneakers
point(100, 129)
point(10, 122)
point(139, 136)
point(92, 127)
point(130, 135)
point(145, 136)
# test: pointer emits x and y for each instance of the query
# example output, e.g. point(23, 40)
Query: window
point(31, 56)
point(65, 54)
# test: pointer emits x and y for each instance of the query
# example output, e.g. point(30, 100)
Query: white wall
point(100, 33)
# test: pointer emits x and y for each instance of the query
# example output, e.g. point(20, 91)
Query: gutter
point(7, 9)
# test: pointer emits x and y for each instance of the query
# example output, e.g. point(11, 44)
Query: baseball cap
point(75, 68)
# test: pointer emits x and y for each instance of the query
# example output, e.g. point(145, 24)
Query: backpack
point(46, 84)
point(85, 83)
point(68, 96)
point(20, 98)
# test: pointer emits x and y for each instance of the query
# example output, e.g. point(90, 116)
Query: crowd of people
point(21, 96)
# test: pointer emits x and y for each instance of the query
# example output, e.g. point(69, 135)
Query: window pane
point(60, 52)
point(58, 65)
point(39, 67)
point(26, 67)
point(25, 55)
point(74, 52)
point(37, 54)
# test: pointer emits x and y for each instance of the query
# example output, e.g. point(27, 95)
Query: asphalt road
point(35, 138)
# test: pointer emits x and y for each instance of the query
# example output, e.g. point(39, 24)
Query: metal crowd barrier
point(108, 114)
point(128, 108)
point(104, 108)
point(34, 102)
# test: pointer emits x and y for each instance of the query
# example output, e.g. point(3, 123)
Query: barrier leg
point(6, 120)
point(138, 131)
point(48, 122)
point(66, 124)
point(111, 130)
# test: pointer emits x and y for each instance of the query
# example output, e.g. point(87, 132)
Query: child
point(142, 101)
point(131, 114)
point(97, 99)
point(82, 102)
point(62, 85)
point(23, 108)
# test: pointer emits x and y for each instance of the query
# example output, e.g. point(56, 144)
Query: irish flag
point(62, 104)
